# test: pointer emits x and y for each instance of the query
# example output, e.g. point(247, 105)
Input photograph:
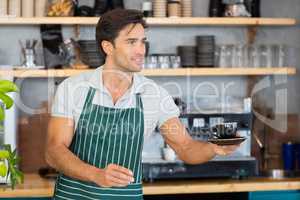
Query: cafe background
point(37, 93)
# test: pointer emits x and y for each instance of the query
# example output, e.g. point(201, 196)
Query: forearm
point(63, 160)
point(196, 152)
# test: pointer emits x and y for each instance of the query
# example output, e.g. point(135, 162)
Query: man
point(99, 119)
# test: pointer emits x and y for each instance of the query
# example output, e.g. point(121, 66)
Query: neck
point(115, 79)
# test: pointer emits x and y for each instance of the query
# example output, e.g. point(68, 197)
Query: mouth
point(138, 61)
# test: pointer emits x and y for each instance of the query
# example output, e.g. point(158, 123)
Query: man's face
point(129, 49)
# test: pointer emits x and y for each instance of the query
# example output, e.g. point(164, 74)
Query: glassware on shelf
point(265, 56)
point(175, 61)
point(238, 55)
point(279, 55)
point(164, 61)
point(253, 56)
point(28, 56)
point(151, 62)
point(225, 56)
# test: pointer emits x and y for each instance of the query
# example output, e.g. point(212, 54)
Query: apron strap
point(139, 103)
point(89, 99)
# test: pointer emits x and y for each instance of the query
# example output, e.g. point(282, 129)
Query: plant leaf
point(20, 176)
point(4, 154)
point(7, 100)
point(7, 147)
point(8, 86)
point(3, 169)
point(1, 113)
point(14, 153)
point(16, 176)
point(16, 160)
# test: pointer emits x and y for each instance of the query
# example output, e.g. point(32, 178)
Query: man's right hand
point(113, 175)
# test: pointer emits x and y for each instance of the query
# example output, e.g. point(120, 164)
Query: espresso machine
point(238, 165)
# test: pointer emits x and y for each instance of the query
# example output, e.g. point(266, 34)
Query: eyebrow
point(135, 39)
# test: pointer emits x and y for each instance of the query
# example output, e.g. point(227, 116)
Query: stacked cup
point(160, 8)
point(205, 50)
point(187, 55)
point(3, 7)
point(14, 8)
point(186, 8)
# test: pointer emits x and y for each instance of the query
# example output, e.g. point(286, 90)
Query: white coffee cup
point(168, 154)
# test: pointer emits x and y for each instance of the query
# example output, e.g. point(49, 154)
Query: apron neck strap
point(139, 103)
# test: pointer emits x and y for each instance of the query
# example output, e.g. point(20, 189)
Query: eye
point(131, 42)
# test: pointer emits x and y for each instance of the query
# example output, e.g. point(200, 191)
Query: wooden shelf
point(181, 21)
point(220, 21)
point(157, 72)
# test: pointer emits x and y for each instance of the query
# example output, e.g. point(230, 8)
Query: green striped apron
point(103, 136)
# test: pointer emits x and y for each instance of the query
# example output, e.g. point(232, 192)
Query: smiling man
point(100, 118)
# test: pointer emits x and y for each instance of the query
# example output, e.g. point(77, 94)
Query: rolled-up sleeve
point(167, 107)
point(62, 103)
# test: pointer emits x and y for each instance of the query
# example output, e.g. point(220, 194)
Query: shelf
point(158, 72)
point(181, 21)
point(220, 21)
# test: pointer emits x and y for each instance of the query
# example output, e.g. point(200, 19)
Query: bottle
point(216, 8)
point(255, 8)
point(147, 9)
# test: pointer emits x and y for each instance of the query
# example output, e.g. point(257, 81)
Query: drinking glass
point(225, 56)
point(279, 55)
point(253, 56)
point(265, 56)
point(164, 61)
point(175, 61)
point(238, 55)
point(151, 62)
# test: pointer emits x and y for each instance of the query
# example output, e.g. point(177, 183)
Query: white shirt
point(70, 96)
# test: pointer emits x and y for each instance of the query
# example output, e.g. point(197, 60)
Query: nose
point(141, 49)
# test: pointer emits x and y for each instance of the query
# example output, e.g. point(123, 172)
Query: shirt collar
point(96, 82)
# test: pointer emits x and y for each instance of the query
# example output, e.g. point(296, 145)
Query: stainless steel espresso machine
point(238, 165)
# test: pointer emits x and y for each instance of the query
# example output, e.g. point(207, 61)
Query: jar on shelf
point(173, 8)
point(40, 8)
point(27, 8)
point(3, 8)
point(147, 9)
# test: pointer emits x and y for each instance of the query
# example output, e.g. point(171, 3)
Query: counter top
point(34, 186)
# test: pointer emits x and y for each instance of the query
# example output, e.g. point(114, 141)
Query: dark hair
point(112, 22)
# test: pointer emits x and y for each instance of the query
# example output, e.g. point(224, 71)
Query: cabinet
point(275, 195)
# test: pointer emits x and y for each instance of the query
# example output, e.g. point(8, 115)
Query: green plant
point(8, 158)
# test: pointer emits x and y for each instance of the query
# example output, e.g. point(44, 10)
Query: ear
point(107, 47)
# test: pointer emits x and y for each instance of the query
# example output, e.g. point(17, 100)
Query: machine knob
point(171, 170)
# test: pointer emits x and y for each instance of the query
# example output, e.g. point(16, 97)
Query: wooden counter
point(34, 186)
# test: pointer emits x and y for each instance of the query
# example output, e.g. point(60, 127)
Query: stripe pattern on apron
point(103, 136)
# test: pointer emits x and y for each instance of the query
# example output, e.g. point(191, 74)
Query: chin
point(136, 68)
